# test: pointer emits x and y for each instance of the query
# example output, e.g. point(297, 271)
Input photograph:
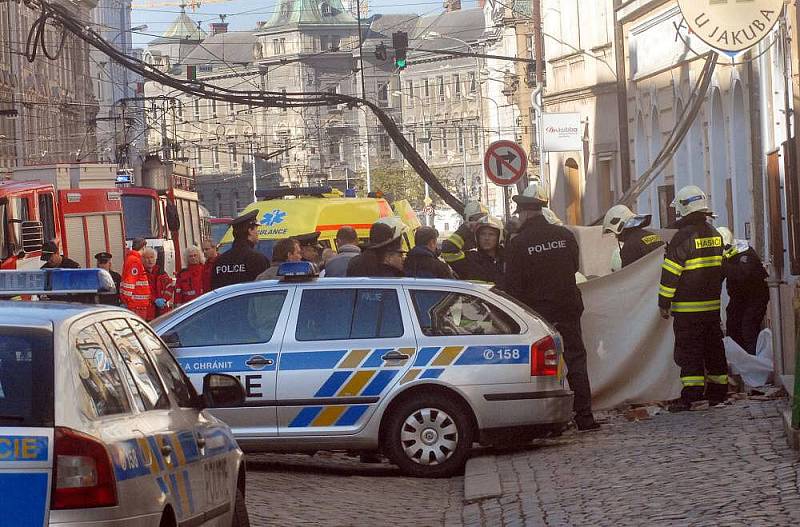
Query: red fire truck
point(82, 221)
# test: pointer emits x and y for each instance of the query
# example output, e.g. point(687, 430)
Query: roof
point(382, 26)
point(309, 12)
point(20, 186)
point(13, 313)
point(182, 28)
point(233, 48)
point(465, 24)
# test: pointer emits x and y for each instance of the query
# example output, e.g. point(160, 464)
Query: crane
point(183, 4)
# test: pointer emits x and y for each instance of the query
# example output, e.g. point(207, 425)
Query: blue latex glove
point(160, 303)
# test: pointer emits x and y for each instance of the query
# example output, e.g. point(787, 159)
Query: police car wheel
point(240, 516)
point(429, 437)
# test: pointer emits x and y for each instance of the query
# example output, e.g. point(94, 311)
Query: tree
point(399, 183)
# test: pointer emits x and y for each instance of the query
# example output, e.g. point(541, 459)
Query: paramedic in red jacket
point(211, 254)
point(191, 280)
point(161, 285)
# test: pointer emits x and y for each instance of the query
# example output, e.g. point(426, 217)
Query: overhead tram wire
point(61, 15)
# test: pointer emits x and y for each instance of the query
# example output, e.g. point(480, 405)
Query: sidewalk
point(722, 466)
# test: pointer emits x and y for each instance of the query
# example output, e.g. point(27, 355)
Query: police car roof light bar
point(297, 271)
point(282, 192)
point(56, 281)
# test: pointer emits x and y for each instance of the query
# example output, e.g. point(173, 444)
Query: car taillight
point(544, 358)
point(83, 476)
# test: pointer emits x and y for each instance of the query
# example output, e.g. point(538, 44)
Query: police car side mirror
point(222, 391)
point(171, 339)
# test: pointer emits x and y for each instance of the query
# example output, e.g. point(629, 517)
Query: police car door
point(26, 423)
point(239, 335)
point(344, 349)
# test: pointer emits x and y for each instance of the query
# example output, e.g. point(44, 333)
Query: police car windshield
point(26, 377)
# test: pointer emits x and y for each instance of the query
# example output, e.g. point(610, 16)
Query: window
point(426, 88)
point(144, 383)
point(460, 140)
point(215, 156)
point(444, 139)
point(247, 319)
point(443, 313)
point(343, 314)
point(410, 94)
point(213, 107)
point(440, 84)
point(429, 142)
point(197, 108)
point(198, 155)
point(276, 46)
point(471, 82)
point(476, 139)
point(46, 214)
point(171, 372)
point(231, 108)
point(383, 93)
point(457, 85)
point(385, 144)
point(283, 46)
point(324, 42)
point(100, 378)
point(232, 155)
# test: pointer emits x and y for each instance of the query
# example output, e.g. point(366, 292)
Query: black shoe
point(586, 423)
point(679, 405)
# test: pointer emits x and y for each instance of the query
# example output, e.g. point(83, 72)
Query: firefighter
point(542, 261)
point(463, 240)
point(55, 260)
point(748, 291)
point(134, 290)
point(241, 263)
point(162, 288)
point(190, 282)
point(691, 284)
point(481, 256)
point(104, 262)
point(633, 239)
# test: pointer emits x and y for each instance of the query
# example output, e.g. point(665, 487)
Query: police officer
point(240, 263)
point(691, 284)
point(748, 291)
point(54, 259)
point(541, 264)
point(634, 240)
point(104, 262)
point(310, 247)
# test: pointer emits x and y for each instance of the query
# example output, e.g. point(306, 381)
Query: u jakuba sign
point(731, 25)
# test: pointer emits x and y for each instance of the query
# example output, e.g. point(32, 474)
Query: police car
point(418, 369)
point(98, 424)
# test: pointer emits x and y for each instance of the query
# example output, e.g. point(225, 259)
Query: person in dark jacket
point(748, 291)
point(542, 261)
point(241, 263)
point(383, 255)
point(347, 248)
point(55, 260)
point(635, 241)
point(690, 290)
point(475, 251)
point(423, 260)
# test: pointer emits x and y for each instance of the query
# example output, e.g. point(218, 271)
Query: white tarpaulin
point(629, 346)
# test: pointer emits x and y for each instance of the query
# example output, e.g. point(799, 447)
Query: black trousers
point(700, 354)
point(575, 357)
point(744, 323)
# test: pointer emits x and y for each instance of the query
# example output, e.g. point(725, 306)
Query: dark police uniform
point(638, 242)
point(691, 285)
point(749, 295)
point(66, 263)
point(541, 262)
point(109, 300)
point(241, 263)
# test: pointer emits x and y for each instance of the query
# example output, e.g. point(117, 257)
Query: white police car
point(419, 369)
point(98, 424)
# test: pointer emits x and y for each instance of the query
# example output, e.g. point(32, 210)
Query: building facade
point(48, 107)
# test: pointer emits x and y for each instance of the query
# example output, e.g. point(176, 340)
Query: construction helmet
point(689, 200)
point(727, 236)
point(615, 219)
point(490, 222)
point(475, 210)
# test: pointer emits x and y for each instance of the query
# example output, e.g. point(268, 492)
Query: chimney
point(452, 5)
point(219, 27)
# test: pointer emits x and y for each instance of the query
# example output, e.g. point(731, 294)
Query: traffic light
point(400, 43)
point(380, 51)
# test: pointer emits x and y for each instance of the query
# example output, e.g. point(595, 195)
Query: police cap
point(103, 257)
point(310, 239)
point(48, 248)
point(245, 219)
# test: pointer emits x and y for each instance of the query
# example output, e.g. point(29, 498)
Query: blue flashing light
point(297, 270)
point(350, 193)
point(56, 281)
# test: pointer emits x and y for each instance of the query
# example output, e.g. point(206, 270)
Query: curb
point(792, 435)
point(481, 479)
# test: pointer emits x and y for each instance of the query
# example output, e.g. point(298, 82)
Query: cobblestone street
point(724, 466)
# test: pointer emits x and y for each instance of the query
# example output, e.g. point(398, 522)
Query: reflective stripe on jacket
point(691, 276)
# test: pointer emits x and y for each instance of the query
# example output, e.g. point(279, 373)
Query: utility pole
point(253, 161)
point(363, 92)
point(538, 51)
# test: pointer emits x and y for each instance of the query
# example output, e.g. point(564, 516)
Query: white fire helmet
point(690, 199)
point(534, 193)
point(396, 223)
point(490, 222)
point(615, 219)
point(727, 236)
point(475, 210)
